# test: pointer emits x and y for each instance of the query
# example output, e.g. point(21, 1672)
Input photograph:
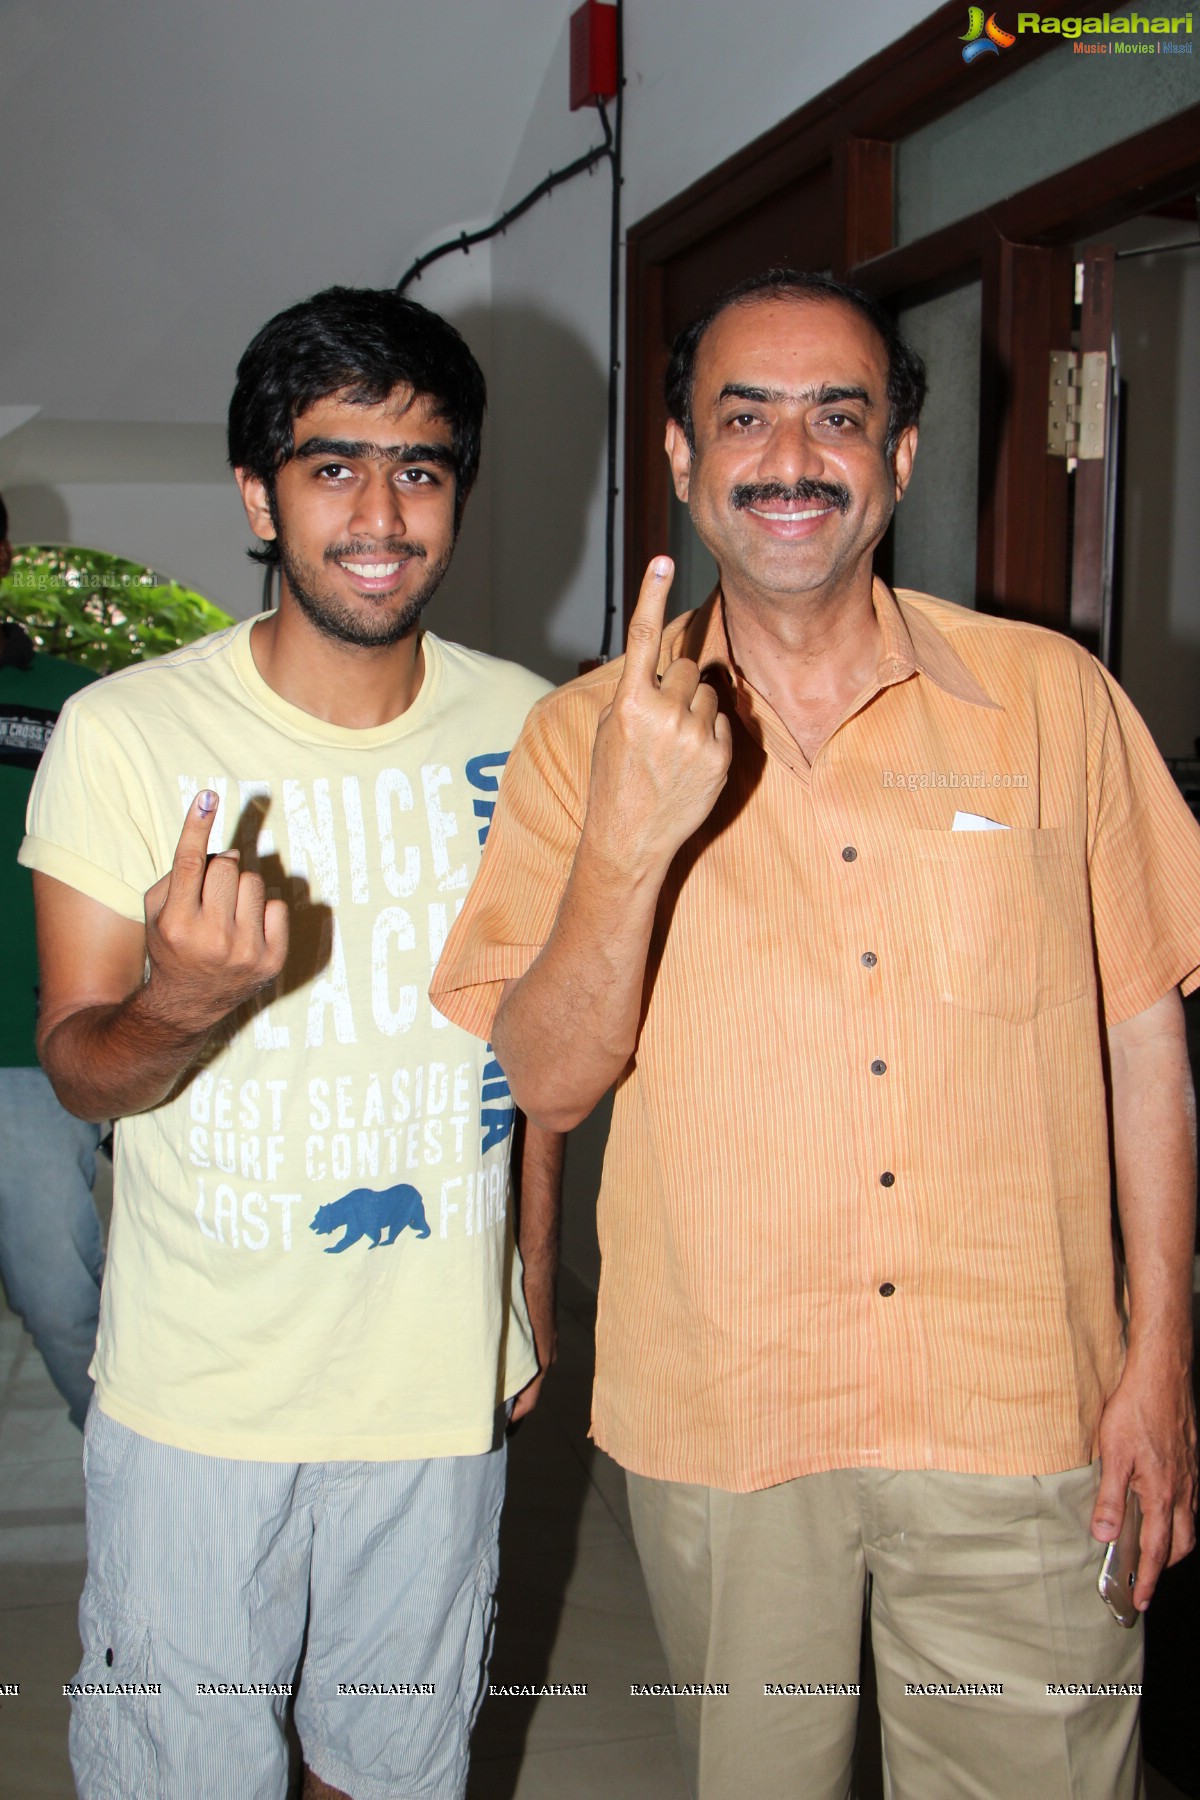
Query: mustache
point(830, 493)
point(390, 549)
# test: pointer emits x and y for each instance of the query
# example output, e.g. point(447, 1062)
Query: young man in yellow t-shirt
point(247, 857)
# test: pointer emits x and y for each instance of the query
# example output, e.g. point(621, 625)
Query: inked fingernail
point(206, 802)
point(661, 566)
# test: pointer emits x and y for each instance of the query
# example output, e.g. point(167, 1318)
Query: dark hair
point(3, 519)
point(363, 342)
point(906, 371)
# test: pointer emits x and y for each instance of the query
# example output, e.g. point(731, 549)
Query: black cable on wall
point(614, 349)
point(610, 152)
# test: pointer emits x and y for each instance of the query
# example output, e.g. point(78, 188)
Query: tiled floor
point(572, 1605)
point(41, 1569)
point(572, 1609)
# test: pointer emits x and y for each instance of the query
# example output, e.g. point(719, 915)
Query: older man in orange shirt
point(874, 909)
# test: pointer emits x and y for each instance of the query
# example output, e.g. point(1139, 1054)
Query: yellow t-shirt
point(311, 1255)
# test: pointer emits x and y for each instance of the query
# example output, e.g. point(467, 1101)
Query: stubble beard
point(337, 620)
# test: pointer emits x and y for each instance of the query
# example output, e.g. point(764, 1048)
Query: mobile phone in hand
point(1119, 1571)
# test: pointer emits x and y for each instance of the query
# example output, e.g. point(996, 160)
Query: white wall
point(188, 170)
point(159, 494)
point(191, 531)
point(550, 331)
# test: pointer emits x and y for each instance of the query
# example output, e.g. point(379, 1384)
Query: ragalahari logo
point(983, 39)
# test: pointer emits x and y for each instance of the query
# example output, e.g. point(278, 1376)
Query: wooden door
point(1093, 472)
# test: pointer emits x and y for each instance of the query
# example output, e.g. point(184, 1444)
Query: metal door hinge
point(1078, 411)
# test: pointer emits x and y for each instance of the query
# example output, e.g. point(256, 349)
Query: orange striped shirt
point(856, 1200)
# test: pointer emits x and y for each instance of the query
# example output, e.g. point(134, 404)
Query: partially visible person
point(51, 1246)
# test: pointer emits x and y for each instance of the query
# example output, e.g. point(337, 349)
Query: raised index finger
point(643, 646)
point(191, 852)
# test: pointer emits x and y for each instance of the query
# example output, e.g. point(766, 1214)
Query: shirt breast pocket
point(1007, 920)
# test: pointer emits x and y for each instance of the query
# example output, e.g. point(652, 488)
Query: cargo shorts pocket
point(480, 1635)
point(113, 1701)
point(107, 1447)
point(1006, 919)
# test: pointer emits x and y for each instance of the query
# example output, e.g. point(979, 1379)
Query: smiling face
point(363, 512)
point(790, 486)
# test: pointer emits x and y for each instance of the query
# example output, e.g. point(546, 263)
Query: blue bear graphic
point(367, 1213)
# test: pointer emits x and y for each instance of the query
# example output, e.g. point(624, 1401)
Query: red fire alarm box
point(593, 54)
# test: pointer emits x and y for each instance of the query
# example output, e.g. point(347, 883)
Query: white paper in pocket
point(975, 822)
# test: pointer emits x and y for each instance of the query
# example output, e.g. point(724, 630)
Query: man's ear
point(902, 460)
point(679, 456)
point(257, 503)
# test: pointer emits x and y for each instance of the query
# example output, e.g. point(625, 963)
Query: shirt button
point(887, 1289)
point(887, 1179)
point(868, 959)
point(879, 1067)
point(849, 853)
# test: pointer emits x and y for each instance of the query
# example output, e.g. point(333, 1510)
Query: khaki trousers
point(977, 1581)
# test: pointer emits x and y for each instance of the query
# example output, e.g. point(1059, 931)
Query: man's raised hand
point(662, 749)
point(212, 937)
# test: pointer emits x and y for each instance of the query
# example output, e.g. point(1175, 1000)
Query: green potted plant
point(100, 610)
